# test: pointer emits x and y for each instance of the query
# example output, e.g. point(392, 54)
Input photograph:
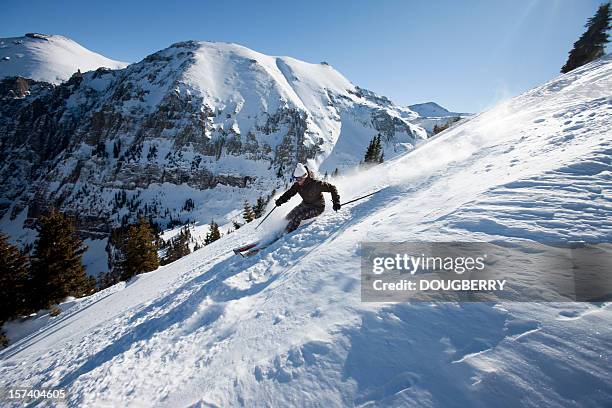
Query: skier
point(311, 206)
point(311, 190)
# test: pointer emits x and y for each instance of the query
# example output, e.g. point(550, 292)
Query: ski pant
point(300, 213)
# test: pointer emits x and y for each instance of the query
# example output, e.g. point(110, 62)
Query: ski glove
point(337, 206)
point(278, 202)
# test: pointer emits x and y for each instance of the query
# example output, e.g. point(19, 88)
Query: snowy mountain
point(431, 114)
point(432, 109)
point(215, 123)
point(48, 58)
point(287, 327)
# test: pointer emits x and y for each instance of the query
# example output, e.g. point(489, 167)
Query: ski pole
point(361, 198)
point(265, 217)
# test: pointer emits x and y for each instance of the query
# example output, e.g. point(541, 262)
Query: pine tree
point(374, 153)
point(140, 250)
point(183, 242)
point(377, 150)
point(116, 259)
point(247, 212)
point(213, 233)
point(14, 281)
point(335, 172)
point(178, 246)
point(259, 207)
point(367, 158)
point(57, 268)
point(591, 45)
point(236, 225)
point(170, 255)
point(189, 205)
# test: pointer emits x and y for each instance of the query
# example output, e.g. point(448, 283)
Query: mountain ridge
point(433, 109)
point(432, 115)
point(48, 58)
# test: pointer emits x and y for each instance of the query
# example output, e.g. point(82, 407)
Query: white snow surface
point(48, 58)
point(287, 327)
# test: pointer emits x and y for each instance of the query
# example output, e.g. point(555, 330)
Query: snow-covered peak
point(48, 58)
point(430, 114)
point(216, 65)
point(242, 83)
point(246, 91)
point(432, 109)
point(222, 71)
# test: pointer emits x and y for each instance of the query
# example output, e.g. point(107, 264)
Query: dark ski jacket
point(311, 192)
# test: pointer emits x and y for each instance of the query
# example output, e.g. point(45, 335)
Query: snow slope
point(48, 58)
point(287, 328)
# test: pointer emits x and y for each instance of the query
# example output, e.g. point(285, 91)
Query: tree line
point(54, 270)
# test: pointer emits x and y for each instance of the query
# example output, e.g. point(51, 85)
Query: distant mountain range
point(432, 114)
point(432, 109)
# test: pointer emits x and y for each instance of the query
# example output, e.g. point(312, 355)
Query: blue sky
point(465, 55)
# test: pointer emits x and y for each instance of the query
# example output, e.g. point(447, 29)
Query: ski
point(252, 249)
point(251, 252)
point(255, 247)
point(240, 250)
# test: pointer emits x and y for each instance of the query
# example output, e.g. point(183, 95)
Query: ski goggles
point(300, 178)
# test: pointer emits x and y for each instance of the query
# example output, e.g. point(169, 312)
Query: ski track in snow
point(286, 327)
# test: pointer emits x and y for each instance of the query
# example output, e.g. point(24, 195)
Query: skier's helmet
point(300, 171)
